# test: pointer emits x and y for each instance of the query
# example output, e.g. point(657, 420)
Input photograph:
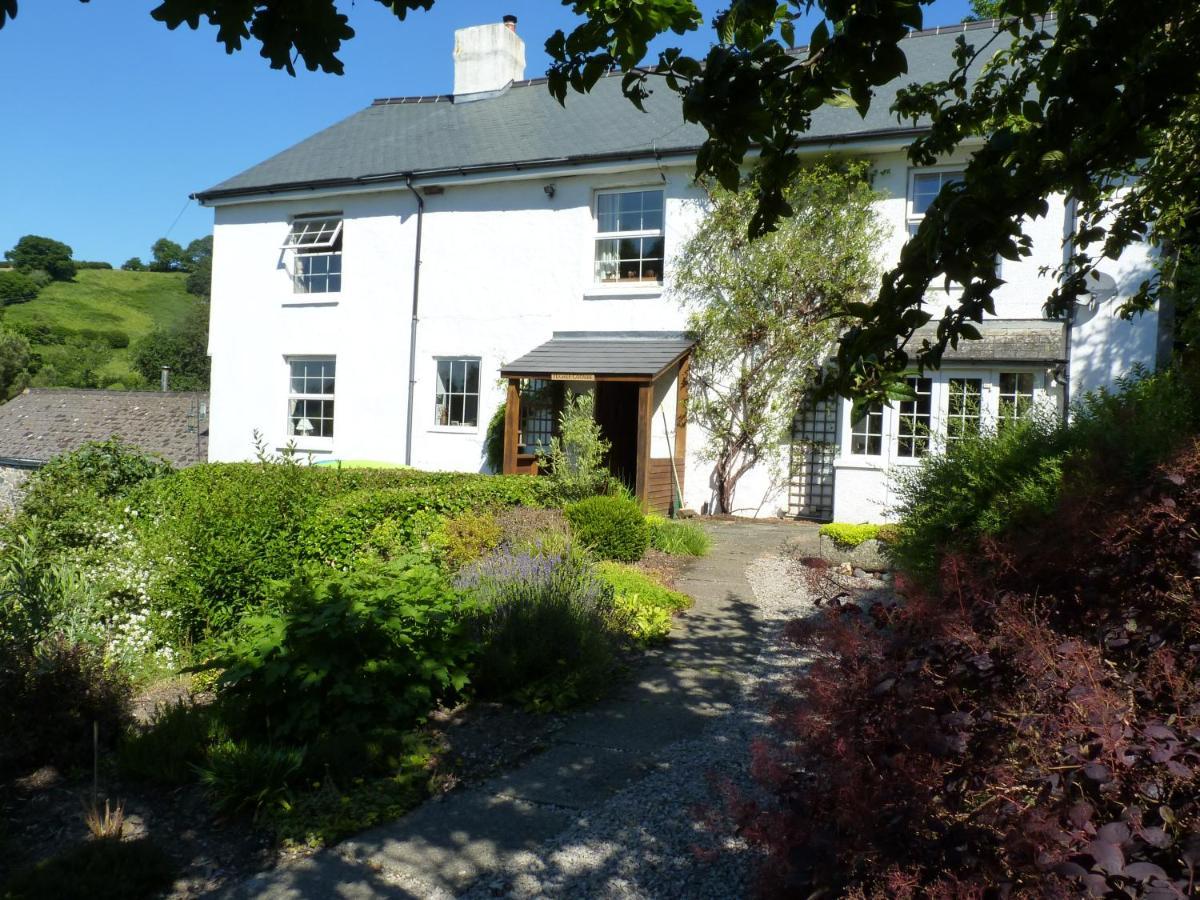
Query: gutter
point(20, 462)
point(529, 165)
point(416, 302)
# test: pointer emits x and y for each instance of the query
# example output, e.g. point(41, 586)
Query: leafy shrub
point(64, 498)
point(16, 287)
point(647, 603)
point(345, 652)
point(848, 536)
point(341, 528)
point(49, 700)
point(111, 337)
point(545, 624)
point(522, 527)
point(105, 869)
point(241, 777)
point(611, 527)
point(493, 443)
point(169, 749)
point(576, 456)
point(466, 537)
point(1031, 718)
point(989, 484)
point(678, 538)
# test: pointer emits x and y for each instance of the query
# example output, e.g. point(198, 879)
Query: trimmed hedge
point(611, 527)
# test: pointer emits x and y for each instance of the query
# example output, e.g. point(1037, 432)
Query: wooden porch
point(634, 379)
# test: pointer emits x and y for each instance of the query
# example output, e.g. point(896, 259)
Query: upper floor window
point(629, 237)
point(866, 432)
point(310, 397)
point(316, 243)
point(456, 402)
point(914, 419)
point(924, 187)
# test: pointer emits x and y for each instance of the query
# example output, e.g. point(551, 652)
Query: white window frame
point(309, 442)
point(852, 432)
point(329, 248)
point(911, 217)
point(598, 236)
point(478, 393)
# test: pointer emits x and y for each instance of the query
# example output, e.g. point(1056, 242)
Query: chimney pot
point(510, 22)
point(166, 379)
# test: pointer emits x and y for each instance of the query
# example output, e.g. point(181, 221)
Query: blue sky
point(110, 120)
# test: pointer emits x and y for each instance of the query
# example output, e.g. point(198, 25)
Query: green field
point(98, 306)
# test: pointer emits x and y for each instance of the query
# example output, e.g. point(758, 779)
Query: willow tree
point(766, 310)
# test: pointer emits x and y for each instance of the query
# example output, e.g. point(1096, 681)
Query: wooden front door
point(616, 413)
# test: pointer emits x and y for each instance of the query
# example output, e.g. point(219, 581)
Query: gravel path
point(642, 842)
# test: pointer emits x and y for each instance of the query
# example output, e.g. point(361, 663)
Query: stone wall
point(10, 487)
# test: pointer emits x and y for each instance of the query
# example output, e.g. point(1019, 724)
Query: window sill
point(323, 449)
point(454, 429)
point(309, 303)
point(623, 292)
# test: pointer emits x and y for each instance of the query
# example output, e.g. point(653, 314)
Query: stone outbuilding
point(43, 423)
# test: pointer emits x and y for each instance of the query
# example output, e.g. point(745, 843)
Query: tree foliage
point(184, 348)
point(16, 287)
point(36, 253)
point(15, 359)
point(1096, 102)
point(766, 311)
point(167, 256)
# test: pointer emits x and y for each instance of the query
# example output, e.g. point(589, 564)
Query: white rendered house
point(382, 287)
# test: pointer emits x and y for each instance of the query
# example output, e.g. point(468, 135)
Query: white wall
point(503, 267)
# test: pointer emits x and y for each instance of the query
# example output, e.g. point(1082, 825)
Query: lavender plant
point(544, 619)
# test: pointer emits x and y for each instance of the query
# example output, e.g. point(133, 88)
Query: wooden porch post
point(512, 425)
point(681, 420)
point(644, 411)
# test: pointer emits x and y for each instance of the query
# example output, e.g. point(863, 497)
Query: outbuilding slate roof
point(635, 353)
point(42, 423)
point(1006, 340)
point(525, 127)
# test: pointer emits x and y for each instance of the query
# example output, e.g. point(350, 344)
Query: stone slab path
point(448, 844)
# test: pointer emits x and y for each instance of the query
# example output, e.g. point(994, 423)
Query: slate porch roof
point(41, 423)
point(634, 353)
point(1005, 341)
point(525, 127)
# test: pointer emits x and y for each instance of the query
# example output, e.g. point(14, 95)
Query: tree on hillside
point(767, 311)
point(16, 287)
point(1102, 99)
point(168, 256)
point(134, 264)
point(184, 348)
point(199, 256)
point(36, 253)
point(15, 360)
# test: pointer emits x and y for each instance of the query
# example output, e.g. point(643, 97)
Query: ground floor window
point(310, 397)
point(866, 432)
point(964, 407)
point(1015, 397)
point(915, 419)
point(456, 401)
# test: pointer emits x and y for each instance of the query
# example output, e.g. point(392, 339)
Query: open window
point(315, 243)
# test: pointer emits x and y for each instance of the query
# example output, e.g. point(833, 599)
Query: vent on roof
point(487, 58)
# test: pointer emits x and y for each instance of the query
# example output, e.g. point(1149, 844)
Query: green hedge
point(611, 527)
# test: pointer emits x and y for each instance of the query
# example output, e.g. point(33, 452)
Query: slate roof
point(1006, 340)
point(643, 353)
point(524, 127)
point(41, 423)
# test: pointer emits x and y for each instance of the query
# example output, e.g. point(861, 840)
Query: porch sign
point(571, 376)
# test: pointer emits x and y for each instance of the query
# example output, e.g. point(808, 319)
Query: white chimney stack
point(487, 58)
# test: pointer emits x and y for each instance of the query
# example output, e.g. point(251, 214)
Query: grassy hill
point(97, 318)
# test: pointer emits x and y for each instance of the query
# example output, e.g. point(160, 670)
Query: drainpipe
point(1068, 247)
point(412, 343)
